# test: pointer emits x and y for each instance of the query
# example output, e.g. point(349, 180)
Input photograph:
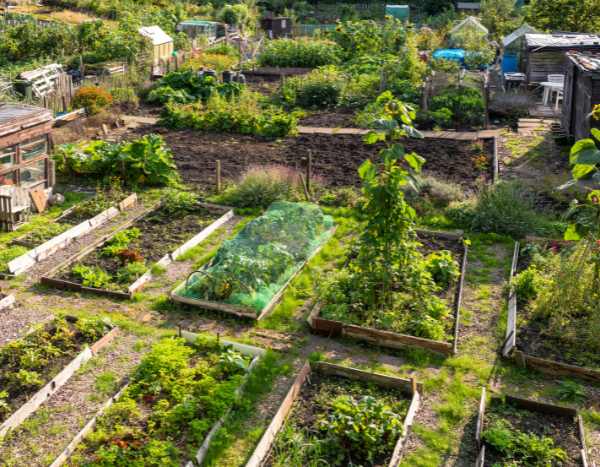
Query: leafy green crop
point(300, 53)
point(142, 162)
point(28, 363)
point(175, 396)
point(525, 448)
point(120, 241)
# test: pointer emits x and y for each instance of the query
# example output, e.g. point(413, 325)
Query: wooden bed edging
point(511, 350)
point(390, 339)
point(147, 276)
point(41, 252)
point(7, 302)
point(34, 402)
point(243, 311)
point(197, 239)
point(533, 406)
point(409, 387)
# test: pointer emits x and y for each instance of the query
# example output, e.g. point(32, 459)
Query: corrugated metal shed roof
point(155, 34)
point(585, 60)
point(561, 40)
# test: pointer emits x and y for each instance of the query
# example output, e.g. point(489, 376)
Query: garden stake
point(218, 176)
point(308, 170)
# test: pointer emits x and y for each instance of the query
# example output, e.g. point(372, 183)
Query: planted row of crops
point(127, 255)
point(175, 396)
point(27, 364)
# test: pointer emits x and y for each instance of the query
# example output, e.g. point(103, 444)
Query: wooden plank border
point(408, 387)
point(533, 406)
point(41, 252)
point(138, 284)
point(242, 311)
point(7, 302)
point(510, 346)
point(256, 352)
point(393, 340)
point(34, 402)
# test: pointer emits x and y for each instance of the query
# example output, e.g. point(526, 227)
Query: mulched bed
point(336, 158)
point(315, 398)
point(160, 233)
point(561, 429)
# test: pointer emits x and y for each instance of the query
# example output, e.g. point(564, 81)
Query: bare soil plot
point(336, 158)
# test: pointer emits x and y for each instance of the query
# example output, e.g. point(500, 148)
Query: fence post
point(219, 176)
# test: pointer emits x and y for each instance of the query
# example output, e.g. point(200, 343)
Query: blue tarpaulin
point(456, 55)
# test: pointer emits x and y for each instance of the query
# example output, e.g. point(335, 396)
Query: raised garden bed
point(311, 398)
point(249, 274)
point(524, 341)
point(62, 232)
point(199, 379)
point(509, 428)
point(335, 157)
point(124, 262)
point(394, 340)
point(36, 366)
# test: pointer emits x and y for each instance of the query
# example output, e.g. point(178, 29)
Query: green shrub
point(504, 208)
point(300, 53)
point(93, 99)
point(527, 283)
point(143, 162)
point(242, 115)
point(458, 106)
point(320, 89)
point(260, 186)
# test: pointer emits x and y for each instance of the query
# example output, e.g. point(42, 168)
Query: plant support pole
point(218, 176)
point(308, 170)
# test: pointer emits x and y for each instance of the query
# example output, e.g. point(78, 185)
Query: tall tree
point(565, 15)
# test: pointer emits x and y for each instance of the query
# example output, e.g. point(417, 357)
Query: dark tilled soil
point(562, 430)
point(336, 158)
point(314, 401)
point(160, 234)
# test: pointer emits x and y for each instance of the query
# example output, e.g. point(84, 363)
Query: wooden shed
point(545, 53)
point(277, 26)
point(581, 93)
point(160, 41)
point(24, 146)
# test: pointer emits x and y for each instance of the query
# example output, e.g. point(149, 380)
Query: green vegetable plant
point(387, 282)
point(121, 241)
point(366, 428)
point(522, 448)
point(175, 396)
point(26, 364)
point(301, 53)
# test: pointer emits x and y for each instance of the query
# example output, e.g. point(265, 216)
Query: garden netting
point(251, 268)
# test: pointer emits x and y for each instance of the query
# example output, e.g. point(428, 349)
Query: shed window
point(7, 157)
point(33, 174)
point(33, 149)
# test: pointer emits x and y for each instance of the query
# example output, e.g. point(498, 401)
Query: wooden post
point(413, 384)
point(218, 176)
point(308, 170)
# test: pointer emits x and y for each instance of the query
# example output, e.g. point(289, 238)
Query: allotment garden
point(319, 249)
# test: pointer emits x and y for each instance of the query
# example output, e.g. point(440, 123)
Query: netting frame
point(239, 310)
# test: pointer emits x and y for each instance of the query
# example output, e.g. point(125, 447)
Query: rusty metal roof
point(15, 117)
point(587, 61)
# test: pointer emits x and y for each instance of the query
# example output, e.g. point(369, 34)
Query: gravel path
point(43, 436)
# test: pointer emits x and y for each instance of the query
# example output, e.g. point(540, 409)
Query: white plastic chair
point(559, 80)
